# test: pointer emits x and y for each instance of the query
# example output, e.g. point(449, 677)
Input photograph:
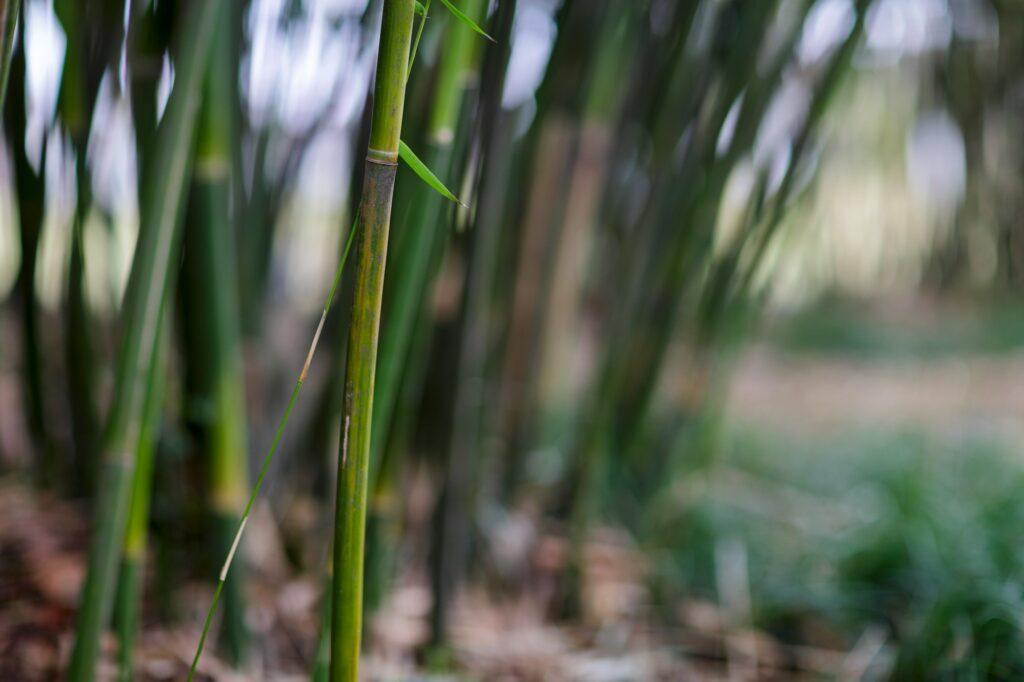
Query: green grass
point(844, 329)
point(896, 530)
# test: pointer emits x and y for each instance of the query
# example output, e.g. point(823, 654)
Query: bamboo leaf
point(420, 168)
point(419, 35)
point(464, 19)
point(269, 457)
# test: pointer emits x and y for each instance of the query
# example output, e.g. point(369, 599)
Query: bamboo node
point(382, 156)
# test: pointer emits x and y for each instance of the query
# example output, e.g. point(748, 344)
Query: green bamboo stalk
point(415, 262)
point(330, 412)
point(657, 279)
point(146, 47)
point(419, 258)
point(91, 42)
point(80, 350)
point(145, 53)
point(9, 10)
point(415, 258)
point(155, 257)
point(212, 301)
point(353, 465)
point(741, 74)
point(129, 597)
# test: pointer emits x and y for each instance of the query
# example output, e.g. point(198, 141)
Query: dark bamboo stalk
point(462, 476)
point(130, 581)
point(30, 188)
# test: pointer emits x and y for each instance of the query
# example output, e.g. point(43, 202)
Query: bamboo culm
point(353, 464)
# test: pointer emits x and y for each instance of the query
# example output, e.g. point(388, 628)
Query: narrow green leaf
point(419, 35)
point(269, 457)
point(464, 19)
point(425, 173)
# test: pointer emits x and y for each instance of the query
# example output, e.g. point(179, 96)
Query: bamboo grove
point(523, 272)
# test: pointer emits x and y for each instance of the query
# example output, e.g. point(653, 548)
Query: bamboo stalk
point(457, 508)
point(79, 351)
point(269, 458)
point(416, 264)
point(91, 38)
point(155, 257)
point(29, 186)
point(353, 466)
point(657, 277)
point(213, 325)
point(406, 324)
point(9, 10)
point(415, 268)
point(129, 597)
point(146, 46)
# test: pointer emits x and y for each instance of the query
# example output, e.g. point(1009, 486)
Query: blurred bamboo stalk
point(9, 12)
point(354, 465)
point(29, 185)
point(415, 261)
point(94, 31)
point(415, 264)
point(164, 182)
point(547, 158)
point(457, 505)
point(133, 553)
point(214, 349)
point(147, 41)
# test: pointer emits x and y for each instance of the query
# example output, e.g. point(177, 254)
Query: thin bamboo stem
point(269, 457)
point(353, 466)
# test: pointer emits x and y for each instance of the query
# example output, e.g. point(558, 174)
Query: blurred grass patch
point(844, 328)
point(891, 531)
